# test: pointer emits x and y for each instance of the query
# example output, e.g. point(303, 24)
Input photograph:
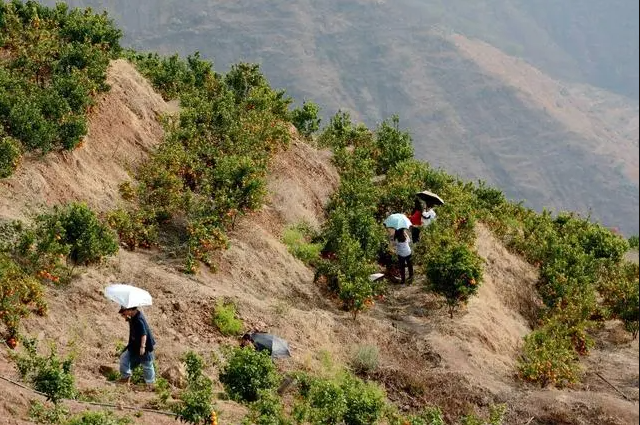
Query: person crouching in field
point(139, 350)
point(403, 251)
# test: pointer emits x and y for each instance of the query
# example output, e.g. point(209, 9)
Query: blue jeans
point(129, 362)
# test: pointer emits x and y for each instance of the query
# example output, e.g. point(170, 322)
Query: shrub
point(634, 242)
point(306, 118)
point(454, 271)
point(72, 232)
point(195, 401)
point(297, 241)
point(345, 399)
point(393, 145)
point(339, 133)
point(135, 229)
point(620, 291)
point(268, 410)
point(19, 294)
point(44, 414)
point(247, 372)
point(50, 375)
point(9, 155)
point(88, 239)
point(98, 418)
point(365, 359)
point(365, 401)
point(325, 402)
point(549, 356)
point(224, 318)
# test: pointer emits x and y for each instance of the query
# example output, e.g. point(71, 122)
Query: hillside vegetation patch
point(53, 62)
point(211, 167)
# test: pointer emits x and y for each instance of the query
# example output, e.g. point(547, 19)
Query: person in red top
point(416, 221)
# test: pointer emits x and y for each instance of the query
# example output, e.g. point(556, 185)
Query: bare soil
point(461, 364)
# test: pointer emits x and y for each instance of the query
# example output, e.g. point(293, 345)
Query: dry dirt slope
point(462, 363)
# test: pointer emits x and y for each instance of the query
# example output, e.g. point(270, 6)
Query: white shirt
point(402, 248)
point(428, 217)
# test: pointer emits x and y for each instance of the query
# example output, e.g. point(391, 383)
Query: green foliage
point(345, 399)
point(172, 76)
point(72, 232)
point(454, 271)
point(162, 390)
point(224, 318)
point(365, 359)
point(50, 375)
point(393, 145)
point(135, 228)
point(100, 417)
point(41, 413)
point(620, 292)
point(339, 133)
point(19, 295)
point(298, 240)
point(583, 278)
point(325, 402)
point(403, 180)
point(549, 356)
point(365, 401)
point(634, 242)
point(488, 198)
point(9, 155)
point(247, 372)
point(267, 410)
point(54, 61)
point(211, 168)
point(195, 401)
point(306, 119)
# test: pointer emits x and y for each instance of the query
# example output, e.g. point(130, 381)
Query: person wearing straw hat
point(139, 350)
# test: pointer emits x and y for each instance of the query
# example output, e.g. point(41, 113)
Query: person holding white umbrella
point(139, 350)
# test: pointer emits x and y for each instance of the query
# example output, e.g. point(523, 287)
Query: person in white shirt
point(403, 251)
point(428, 217)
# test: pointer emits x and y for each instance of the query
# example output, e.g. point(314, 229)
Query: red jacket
point(416, 218)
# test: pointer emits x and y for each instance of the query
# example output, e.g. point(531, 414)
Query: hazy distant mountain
point(517, 92)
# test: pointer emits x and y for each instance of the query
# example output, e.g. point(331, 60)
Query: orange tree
point(454, 270)
point(60, 239)
point(20, 294)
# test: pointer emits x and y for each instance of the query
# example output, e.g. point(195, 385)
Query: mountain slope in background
point(536, 97)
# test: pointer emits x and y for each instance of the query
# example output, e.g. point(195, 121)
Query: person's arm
point(143, 344)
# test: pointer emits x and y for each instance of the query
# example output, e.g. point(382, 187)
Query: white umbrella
point(397, 221)
point(127, 296)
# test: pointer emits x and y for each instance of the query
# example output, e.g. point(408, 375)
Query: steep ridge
point(464, 362)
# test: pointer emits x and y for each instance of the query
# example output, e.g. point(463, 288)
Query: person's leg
point(148, 371)
point(415, 234)
point(125, 366)
point(401, 264)
point(410, 265)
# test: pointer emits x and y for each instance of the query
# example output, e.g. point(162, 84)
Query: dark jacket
point(138, 327)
